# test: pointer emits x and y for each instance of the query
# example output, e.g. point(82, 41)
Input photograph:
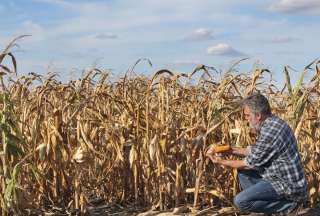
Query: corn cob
point(218, 149)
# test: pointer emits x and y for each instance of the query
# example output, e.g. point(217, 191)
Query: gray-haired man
point(271, 174)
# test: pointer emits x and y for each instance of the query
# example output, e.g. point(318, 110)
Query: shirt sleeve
point(264, 150)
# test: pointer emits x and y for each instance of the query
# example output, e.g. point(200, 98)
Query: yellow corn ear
point(218, 149)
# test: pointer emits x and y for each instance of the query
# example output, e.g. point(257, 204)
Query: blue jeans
point(259, 196)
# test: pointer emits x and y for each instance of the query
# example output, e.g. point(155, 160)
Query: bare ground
point(118, 210)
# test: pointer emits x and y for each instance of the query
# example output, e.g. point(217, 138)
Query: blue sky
point(70, 35)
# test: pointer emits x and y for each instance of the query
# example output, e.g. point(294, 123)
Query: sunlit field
point(139, 141)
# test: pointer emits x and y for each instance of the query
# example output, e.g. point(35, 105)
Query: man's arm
point(237, 164)
point(240, 151)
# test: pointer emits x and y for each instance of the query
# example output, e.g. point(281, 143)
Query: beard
point(255, 126)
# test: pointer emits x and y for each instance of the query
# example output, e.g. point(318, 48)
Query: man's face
point(254, 119)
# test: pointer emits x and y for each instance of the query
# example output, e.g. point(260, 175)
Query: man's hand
point(214, 157)
point(217, 159)
point(240, 151)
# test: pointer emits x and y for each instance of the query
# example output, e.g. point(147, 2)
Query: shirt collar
point(264, 122)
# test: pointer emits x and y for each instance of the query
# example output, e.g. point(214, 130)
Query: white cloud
point(200, 34)
point(91, 16)
point(223, 49)
point(307, 7)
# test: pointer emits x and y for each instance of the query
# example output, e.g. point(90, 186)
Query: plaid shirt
point(276, 157)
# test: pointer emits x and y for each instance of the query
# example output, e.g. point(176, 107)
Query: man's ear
point(259, 116)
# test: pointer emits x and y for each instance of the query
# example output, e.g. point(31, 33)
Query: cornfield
point(138, 140)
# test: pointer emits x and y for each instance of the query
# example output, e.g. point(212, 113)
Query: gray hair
point(257, 103)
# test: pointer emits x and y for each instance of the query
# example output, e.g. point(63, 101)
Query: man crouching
point(271, 173)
